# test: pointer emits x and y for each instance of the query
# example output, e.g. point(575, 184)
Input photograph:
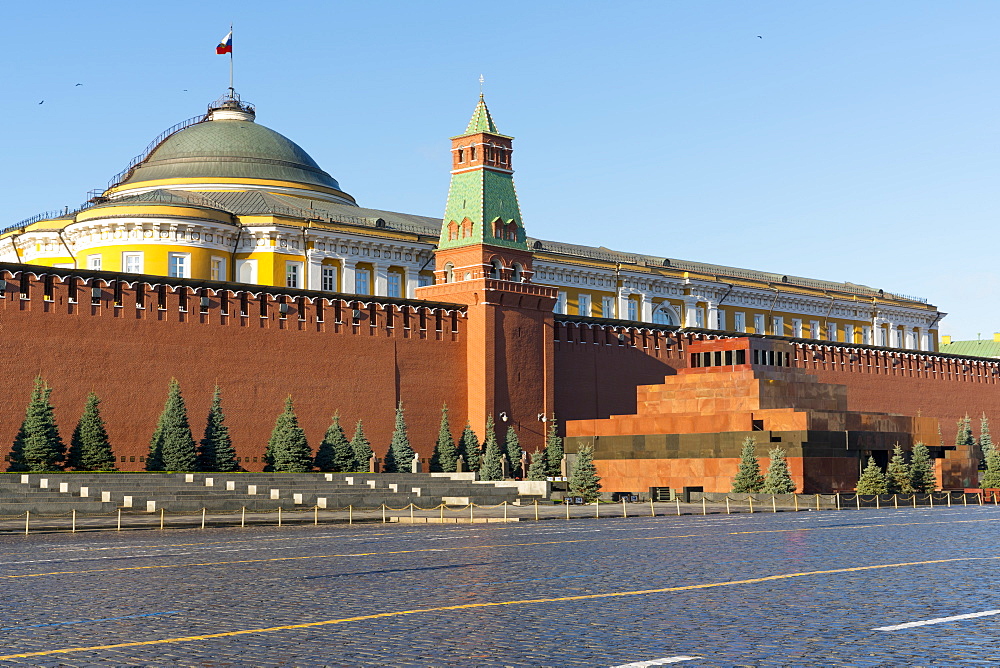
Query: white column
point(347, 283)
point(925, 340)
point(646, 308)
point(622, 304)
point(412, 281)
point(314, 269)
point(910, 337)
point(381, 278)
point(712, 316)
point(690, 317)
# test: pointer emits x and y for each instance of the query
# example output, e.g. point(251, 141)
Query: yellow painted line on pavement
point(469, 547)
point(491, 604)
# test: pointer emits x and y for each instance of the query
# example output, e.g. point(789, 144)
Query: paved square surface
point(832, 588)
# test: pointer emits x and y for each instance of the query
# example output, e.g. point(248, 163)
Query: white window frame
point(293, 274)
point(758, 323)
point(848, 333)
point(328, 278)
point(217, 268)
point(778, 325)
point(561, 300)
point(94, 262)
point(394, 284)
point(607, 307)
point(866, 335)
point(814, 329)
point(797, 328)
point(720, 319)
point(132, 255)
point(740, 322)
point(247, 266)
point(831, 331)
point(362, 281)
point(633, 309)
point(584, 305)
point(699, 317)
point(423, 280)
point(180, 261)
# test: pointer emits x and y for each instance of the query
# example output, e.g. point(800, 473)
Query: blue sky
point(852, 141)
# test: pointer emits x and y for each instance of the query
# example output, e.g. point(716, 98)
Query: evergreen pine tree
point(216, 451)
point(778, 479)
point(985, 440)
point(539, 468)
point(584, 480)
point(991, 477)
point(172, 447)
point(871, 481)
point(335, 452)
point(445, 457)
point(748, 478)
point(964, 437)
point(512, 445)
point(468, 448)
point(921, 469)
point(897, 476)
point(37, 446)
point(554, 449)
point(491, 467)
point(287, 449)
point(400, 455)
point(89, 448)
point(361, 447)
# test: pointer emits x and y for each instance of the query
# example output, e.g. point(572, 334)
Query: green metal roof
point(481, 120)
point(231, 149)
point(977, 348)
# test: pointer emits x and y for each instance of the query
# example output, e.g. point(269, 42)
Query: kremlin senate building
point(225, 255)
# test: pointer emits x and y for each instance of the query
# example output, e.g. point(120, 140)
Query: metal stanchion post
point(536, 510)
point(161, 519)
point(914, 499)
point(704, 508)
point(350, 514)
point(965, 499)
point(878, 502)
point(750, 499)
point(980, 496)
point(411, 512)
point(597, 509)
point(930, 496)
point(795, 500)
point(119, 520)
point(504, 511)
point(279, 516)
point(949, 499)
point(243, 517)
point(652, 511)
point(838, 500)
point(315, 516)
point(857, 499)
point(74, 521)
point(624, 509)
point(442, 512)
point(895, 500)
point(817, 502)
point(727, 504)
point(203, 511)
point(567, 508)
point(27, 521)
point(774, 504)
point(383, 513)
point(678, 500)
point(472, 519)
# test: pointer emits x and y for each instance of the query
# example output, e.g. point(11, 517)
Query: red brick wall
point(127, 356)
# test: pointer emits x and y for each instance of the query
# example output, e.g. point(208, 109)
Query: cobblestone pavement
point(785, 589)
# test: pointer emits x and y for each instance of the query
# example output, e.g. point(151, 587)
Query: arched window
point(518, 275)
point(466, 228)
point(449, 273)
point(512, 231)
point(452, 231)
point(664, 315)
point(496, 269)
point(461, 155)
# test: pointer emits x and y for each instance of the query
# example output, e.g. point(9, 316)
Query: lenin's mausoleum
point(224, 254)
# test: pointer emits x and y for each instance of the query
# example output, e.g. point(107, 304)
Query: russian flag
point(226, 45)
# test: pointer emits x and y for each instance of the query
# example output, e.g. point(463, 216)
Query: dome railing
point(124, 175)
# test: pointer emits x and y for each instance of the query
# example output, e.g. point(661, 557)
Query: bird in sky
point(42, 102)
point(79, 84)
point(760, 37)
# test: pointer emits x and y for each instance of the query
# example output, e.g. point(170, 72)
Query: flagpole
point(232, 92)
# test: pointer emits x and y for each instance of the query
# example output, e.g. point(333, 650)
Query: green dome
point(230, 149)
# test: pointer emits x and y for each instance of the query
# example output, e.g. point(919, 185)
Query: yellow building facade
point(223, 198)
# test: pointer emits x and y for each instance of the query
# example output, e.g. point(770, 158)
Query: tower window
point(472, 153)
point(449, 273)
point(461, 155)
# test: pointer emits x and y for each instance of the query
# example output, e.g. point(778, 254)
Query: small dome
point(230, 145)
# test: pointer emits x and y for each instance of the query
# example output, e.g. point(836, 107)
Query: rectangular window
point(583, 305)
point(246, 271)
point(758, 323)
point(831, 331)
point(423, 280)
point(395, 284)
point(94, 262)
point(179, 265)
point(362, 282)
point(561, 303)
point(814, 329)
point(699, 317)
point(633, 309)
point(329, 279)
point(849, 333)
point(882, 336)
point(132, 263)
point(797, 327)
point(293, 274)
point(720, 319)
point(740, 322)
point(607, 307)
point(777, 325)
point(218, 269)
point(866, 335)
